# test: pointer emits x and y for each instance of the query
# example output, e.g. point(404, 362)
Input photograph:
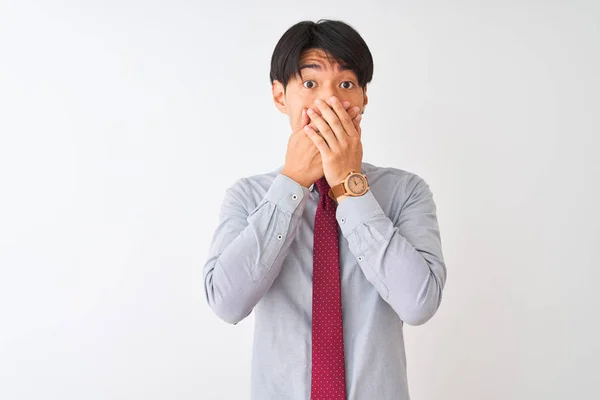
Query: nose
point(325, 92)
point(328, 90)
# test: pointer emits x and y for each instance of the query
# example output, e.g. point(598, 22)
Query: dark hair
point(336, 38)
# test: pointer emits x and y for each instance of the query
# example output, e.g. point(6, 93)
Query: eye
point(351, 84)
point(304, 84)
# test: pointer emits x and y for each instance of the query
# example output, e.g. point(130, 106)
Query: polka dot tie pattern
point(328, 371)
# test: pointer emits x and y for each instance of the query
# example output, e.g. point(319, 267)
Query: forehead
point(319, 60)
point(318, 56)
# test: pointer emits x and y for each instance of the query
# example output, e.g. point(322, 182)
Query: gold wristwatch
point(355, 184)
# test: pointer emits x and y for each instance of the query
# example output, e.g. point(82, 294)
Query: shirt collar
point(312, 186)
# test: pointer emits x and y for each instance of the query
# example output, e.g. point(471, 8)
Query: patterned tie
point(328, 373)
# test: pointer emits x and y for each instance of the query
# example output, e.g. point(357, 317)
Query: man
point(333, 254)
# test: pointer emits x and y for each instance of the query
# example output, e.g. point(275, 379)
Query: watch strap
point(337, 191)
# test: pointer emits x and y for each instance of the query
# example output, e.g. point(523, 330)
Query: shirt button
point(279, 237)
point(343, 220)
point(359, 258)
point(295, 197)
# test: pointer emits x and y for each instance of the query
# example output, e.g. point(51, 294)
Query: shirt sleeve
point(248, 247)
point(402, 256)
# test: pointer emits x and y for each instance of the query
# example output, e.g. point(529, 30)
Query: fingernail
point(346, 104)
point(310, 111)
point(358, 117)
point(318, 101)
point(355, 109)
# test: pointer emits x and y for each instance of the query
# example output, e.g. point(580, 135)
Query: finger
point(318, 141)
point(324, 129)
point(345, 120)
point(332, 119)
point(356, 121)
point(346, 105)
point(354, 113)
point(313, 125)
point(351, 111)
point(305, 120)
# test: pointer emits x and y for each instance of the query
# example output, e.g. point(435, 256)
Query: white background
point(122, 123)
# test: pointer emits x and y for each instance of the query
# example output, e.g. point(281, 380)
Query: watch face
point(357, 184)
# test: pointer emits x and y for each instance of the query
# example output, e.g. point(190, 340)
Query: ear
point(279, 96)
point(365, 99)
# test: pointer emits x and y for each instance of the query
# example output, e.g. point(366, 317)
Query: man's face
point(321, 79)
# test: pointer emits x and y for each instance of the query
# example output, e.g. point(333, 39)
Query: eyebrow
point(317, 67)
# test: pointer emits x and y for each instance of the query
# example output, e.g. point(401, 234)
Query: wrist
point(292, 176)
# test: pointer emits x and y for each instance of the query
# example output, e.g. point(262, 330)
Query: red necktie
point(328, 373)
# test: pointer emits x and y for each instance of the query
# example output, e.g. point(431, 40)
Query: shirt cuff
point(355, 210)
point(288, 194)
